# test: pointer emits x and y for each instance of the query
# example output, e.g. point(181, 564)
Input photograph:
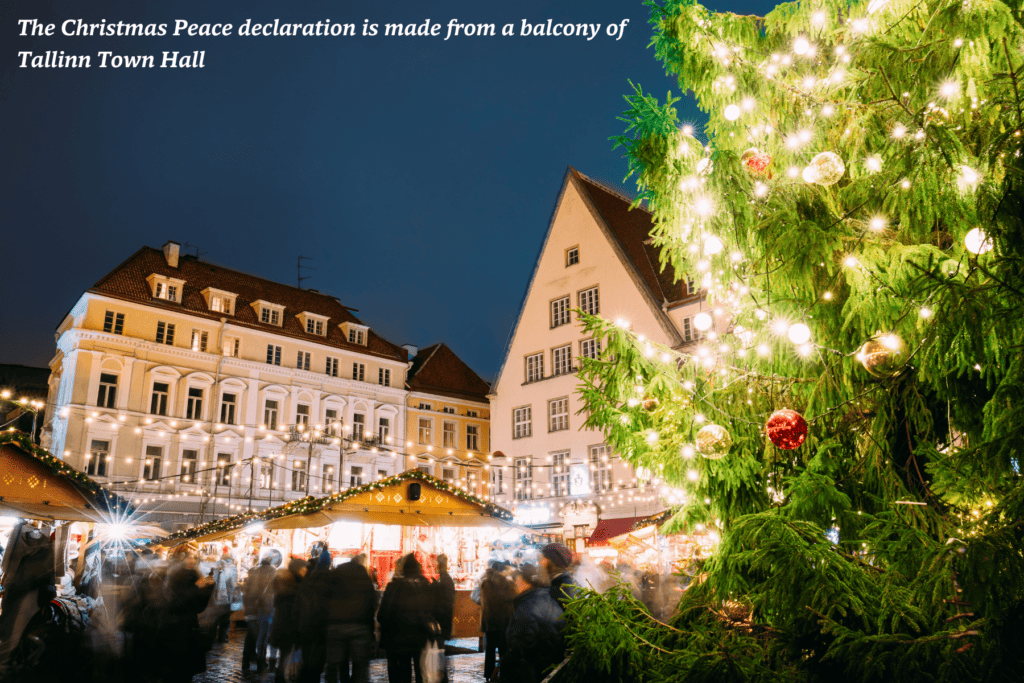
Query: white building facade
point(595, 257)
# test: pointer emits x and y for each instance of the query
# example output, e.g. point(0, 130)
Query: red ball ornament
point(757, 162)
point(787, 429)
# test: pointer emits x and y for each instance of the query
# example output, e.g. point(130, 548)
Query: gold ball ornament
point(650, 403)
point(825, 169)
point(883, 356)
point(713, 442)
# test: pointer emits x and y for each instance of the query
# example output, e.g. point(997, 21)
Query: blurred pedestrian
point(556, 559)
point(311, 615)
point(496, 595)
point(351, 600)
point(225, 576)
point(258, 601)
point(406, 621)
point(284, 633)
point(444, 606)
point(183, 646)
point(534, 641)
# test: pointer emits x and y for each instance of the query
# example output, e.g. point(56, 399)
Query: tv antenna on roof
point(193, 246)
point(299, 267)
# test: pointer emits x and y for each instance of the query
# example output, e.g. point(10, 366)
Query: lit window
point(448, 435)
point(425, 428)
point(232, 345)
point(199, 338)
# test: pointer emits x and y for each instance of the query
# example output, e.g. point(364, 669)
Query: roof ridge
point(612, 191)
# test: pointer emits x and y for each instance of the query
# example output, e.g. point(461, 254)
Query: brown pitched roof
point(632, 227)
point(128, 281)
point(437, 370)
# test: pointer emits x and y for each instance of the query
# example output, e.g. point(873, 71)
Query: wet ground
point(224, 664)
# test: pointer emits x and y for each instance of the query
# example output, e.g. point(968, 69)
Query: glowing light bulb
point(687, 130)
point(949, 89)
point(874, 164)
point(713, 245)
point(702, 206)
point(878, 223)
point(827, 110)
point(799, 333)
point(968, 177)
point(977, 242)
point(760, 189)
point(899, 130)
point(925, 312)
point(702, 321)
point(732, 112)
point(801, 46)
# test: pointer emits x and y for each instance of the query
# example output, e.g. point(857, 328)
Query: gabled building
point(597, 256)
point(448, 415)
point(202, 390)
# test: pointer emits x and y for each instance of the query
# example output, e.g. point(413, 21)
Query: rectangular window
point(314, 326)
point(303, 360)
point(331, 425)
point(448, 409)
point(572, 256)
point(524, 478)
point(270, 414)
point(232, 346)
point(384, 377)
point(382, 474)
point(359, 426)
point(690, 287)
point(560, 473)
point(448, 474)
point(302, 415)
point(266, 475)
point(600, 468)
point(227, 408)
point(165, 333)
point(99, 455)
point(535, 367)
point(298, 475)
point(224, 469)
point(588, 301)
point(355, 476)
point(425, 427)
point(448, 435)
point(358, 371)
point(154, 462)
point(172, 292)
point(558, 414)
point(472, 438)
point(590, 348)
point(560, 311)
point(113, 323)
point(199, 338)
point(273, 354)
point(523, 422)
point(329, 479)
point(497, 480)
point(383, 429)
point(220, 304)
point(561, 360)
point(425, 468)
point(472, 413)
point(158, 403)
point(691, 333)
point(194, 406)
point(107, 396)
point(356, 336)
point(189, 460)
point(425, 406)
point(270, 316)
point(332, 367)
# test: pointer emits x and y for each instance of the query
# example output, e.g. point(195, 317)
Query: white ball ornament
point(713, 245)
point(977, 242)
point(799, 333)
point(702, 321)
point(732, 112)
point(828, 169)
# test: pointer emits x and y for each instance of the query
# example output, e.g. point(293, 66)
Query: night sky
point(420, 174)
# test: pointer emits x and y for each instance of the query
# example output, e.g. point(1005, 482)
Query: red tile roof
point(632, 227)
point(437, 370)
point(128, 282)
point(610, 528)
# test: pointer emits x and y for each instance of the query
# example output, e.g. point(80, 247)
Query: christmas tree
point(851, 426)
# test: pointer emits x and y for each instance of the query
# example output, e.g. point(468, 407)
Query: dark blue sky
point(420, 174)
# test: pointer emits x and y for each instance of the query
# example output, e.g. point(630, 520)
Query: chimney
point(171, 251)
point(411, 349)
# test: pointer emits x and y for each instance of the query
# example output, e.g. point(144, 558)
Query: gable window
point(165, 333)
point(298, 475)
point(314, 326)
point(560, 473)
point(558, 414)
point(572, 256)
point(227, 408)
point(194, 404)
point(425, 427)
point(600, 468)
point(561, 360)
point(590, 348)
point(302, 415)
point(524, 478)
point(219, 301)
point(523, 422)
point(497, 481)
point(384, 377)
point(383, 429)
point(359, 371)
point(535, 367)
point(270, 316)
point(273, 354)
point(158, 402)
point(588, 301)
point(560, 311)
point(448, 435)
point(472, 438)
point(270, 414)
point(220, 304)
point(232, 345)
point(356, 476)
point(303, 360)
point(154, 462)
point(691, 333)
point(113, 323)
point(359, 426)
point(99, 454)
point(199, 338)
point(357, 335)
point(189, 460)
point(332, 367)
point(107, 396)
point(166, 288)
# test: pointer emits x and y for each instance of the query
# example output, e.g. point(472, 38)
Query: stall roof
point(607, 529)
point(380, 502)
point(36, 485)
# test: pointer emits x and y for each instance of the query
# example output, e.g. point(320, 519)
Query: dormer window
point(268, 313)
point(356, 333)
point(166, 288)
point(219, 301)
point(313, 323)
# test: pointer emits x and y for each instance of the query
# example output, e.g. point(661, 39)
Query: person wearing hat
point(556, 559)
point(534, 642)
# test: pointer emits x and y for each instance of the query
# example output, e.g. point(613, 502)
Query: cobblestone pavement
point(224, 664)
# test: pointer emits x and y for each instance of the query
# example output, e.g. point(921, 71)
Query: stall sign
point(579, 480)
point(527, 516)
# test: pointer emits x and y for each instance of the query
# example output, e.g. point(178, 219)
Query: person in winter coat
point(351, 601)
point(496, 595)
point(555, 559)
point(258, 600)
point(444, 598)
point(406, 621)
point(311, 616)
point(225, 576)
point(534, 641)
point(183, 645)
point(284, 634)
